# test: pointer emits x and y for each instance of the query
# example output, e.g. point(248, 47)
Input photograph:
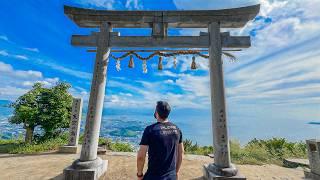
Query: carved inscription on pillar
point(75, 121)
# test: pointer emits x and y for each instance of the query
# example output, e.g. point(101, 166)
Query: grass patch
point(194, 148)
point(256, 152)
point(17, 146)
point(116, 146)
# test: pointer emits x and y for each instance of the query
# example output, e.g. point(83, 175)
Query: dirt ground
point(122, 166)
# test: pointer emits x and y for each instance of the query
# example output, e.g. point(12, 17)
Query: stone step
point(294, 163)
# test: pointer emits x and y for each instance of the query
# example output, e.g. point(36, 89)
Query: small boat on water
point(312, 122)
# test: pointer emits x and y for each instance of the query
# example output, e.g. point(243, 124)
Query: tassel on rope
point(160, 63)
point(144, 67)
point(118, 68)
point(131, 63)
point(193, 64)
point(175, 62)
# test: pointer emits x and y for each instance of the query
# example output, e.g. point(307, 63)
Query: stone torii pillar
point(89, 166)
point(222, 166)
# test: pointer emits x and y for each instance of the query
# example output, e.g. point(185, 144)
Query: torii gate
point(89, 166)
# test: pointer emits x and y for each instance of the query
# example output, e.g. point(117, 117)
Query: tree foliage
point(47, 108)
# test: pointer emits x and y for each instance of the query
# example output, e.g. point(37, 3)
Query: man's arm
point(141, 158)
point(180, 156)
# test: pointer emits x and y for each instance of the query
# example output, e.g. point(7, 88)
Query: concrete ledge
point(94, 173)
point(101, 151)
point(310, 175)
point(294, 163)
point(209, 175)
point(69, 149)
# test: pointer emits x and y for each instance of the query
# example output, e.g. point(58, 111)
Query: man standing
point(163, 141)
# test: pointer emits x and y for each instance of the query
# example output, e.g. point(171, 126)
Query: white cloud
point(125, 94)
point(282, 65)
point(7, 70)
point(16, 56)
point(133, 4)
point(49, 63)
point(23, 57)
point(198, 86)
point(169, 81)
point(146, 93)
point(111, 4)
point(16, 82)
point(107, 4)
point(210, 4)
point(4, 53)
point(32, 49)
point(5, 67)
point(64, 69)
point(167, 73)
point(5, 38)
point(11, 92)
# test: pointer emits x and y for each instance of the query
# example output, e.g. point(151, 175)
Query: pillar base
point(311, 175)
point(212, 172)
point(69, 149)
point(86, 170)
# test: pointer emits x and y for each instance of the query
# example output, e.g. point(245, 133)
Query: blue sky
point(279, 76)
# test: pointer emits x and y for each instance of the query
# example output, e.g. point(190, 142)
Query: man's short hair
point(163, 108)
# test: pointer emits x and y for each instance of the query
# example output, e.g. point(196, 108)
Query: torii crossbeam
point(89, 166)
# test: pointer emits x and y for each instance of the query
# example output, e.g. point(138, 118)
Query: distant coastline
point(128, 125)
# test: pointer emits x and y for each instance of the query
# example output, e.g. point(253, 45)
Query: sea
point(127, 125)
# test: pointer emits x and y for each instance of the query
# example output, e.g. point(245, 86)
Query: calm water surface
point(196, 125)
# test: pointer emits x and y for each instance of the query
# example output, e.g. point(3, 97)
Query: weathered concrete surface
point(70, 149)
point(170, 41)
point(209, 174)
point(310, 175)
point(218, 103)
point(88, 170)
point(101, 151)
point(294, 163)
point(228, 18)
point(313, 146)
point(74, 129)
point(90, 167)
point(122, 166)
point(96, 99)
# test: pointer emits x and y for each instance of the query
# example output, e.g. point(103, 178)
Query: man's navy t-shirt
point(163, 140)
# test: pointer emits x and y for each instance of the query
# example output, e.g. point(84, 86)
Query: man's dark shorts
point(168, 177)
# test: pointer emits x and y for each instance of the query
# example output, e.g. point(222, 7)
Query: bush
point(280, 148)
point(121, 147)
point(18, 146)
point(116, 146)
point(257, 152)
point(194, 148)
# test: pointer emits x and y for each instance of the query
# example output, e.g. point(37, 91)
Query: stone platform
point(294, 163)
point(311, 175)
point(70, 149)
point(88, 170)
point(208, 174)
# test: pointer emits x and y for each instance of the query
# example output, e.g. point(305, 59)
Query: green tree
point(55, 110)
point(48, 108)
